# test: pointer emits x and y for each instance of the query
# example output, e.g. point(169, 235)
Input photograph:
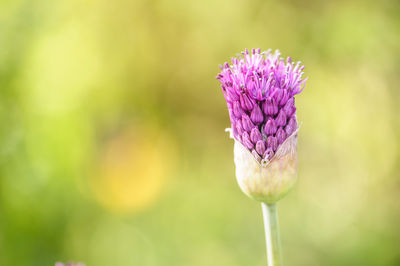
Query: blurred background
point(112, 142)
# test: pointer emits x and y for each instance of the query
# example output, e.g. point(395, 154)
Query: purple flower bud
point(284, 97)
point(246, 141)
point(245, 102)
point(270, 106)
point(239, 128)
point(272, 143)
point(256, 115)
point(291, 126)
point(280, 135)
point(270, 128)
point(232, 94)
point(237, 110)
point(246, 123)
point(255, 135)
point(281, 118)
point(289, 107)
point(268, 154)
point(260, 147)
point(277, 95)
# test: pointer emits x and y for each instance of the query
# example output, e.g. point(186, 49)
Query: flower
point(259, 89)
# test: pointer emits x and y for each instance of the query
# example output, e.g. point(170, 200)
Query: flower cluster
point(259, 89)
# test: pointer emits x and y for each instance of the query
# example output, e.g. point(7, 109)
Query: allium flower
point(259, 89)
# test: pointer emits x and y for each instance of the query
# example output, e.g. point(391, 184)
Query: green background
point(112, 142)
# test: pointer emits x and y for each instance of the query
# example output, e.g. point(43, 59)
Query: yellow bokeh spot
point(132, 169)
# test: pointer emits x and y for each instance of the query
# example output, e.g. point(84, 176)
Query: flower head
point(259, 88)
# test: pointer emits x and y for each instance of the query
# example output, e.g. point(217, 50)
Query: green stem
point(271, 225)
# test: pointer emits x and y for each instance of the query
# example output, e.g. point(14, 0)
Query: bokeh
point(112, 142)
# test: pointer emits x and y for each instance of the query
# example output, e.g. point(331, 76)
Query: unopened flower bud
point(272, 143)
point(255, 135)
point(270, 128)
point(284, 98)
point(239, 128)
point(281, 119)
point(291, 126)
point(246, 141)
point(260, 147)
point(246, 123)
point(237, 111)
point(245, 102)
point(277, 95)
point(270, 106)
point(289, 107)
point(231, 94)
point(280, 135)
point(256, 115)
point(268, 154)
